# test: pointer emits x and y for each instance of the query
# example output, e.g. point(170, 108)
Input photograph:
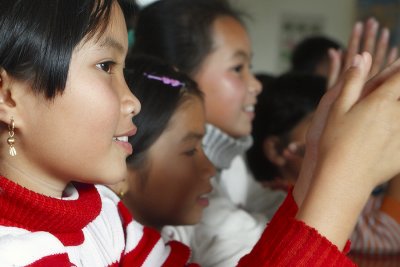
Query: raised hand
point(363, 39)
point(353, 145)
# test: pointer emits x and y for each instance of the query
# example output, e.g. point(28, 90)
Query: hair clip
point(165, 80)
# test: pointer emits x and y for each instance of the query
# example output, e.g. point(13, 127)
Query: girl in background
point(168, 176)
point(208, 40)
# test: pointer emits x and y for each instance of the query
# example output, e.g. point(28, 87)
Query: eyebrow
point(111, 42)
point(242, 54)
point(192, 135)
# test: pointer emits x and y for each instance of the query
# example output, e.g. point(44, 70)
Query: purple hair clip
point(165, 80)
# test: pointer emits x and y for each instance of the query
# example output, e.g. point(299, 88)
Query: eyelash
point(107, 64)
point(191, 153)
point(238, 68)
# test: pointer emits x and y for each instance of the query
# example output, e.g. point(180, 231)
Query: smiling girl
point(207, 39)
point(168, 176)
point(66, 113)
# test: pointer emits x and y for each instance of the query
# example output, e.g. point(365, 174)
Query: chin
point(113, 176)
point(191, 221)
point(240, 133)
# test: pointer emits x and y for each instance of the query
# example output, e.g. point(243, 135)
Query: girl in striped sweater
point(171, 126)
point(66, 113)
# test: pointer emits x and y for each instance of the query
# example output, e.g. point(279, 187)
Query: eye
point(191, 152)
point(106, 66)
point(238, 68)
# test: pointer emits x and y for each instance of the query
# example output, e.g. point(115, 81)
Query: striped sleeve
point(376, 232)
point(145, 247)
point(289, 242)
point(19, 247)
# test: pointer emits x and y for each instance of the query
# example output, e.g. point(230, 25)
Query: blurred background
point(276, 26)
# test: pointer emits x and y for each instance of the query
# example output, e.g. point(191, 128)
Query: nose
point(209, 169)
point(255, 86)
point(130, 104)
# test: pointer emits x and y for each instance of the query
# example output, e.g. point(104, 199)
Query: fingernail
point(385, 33)
point(358, 25)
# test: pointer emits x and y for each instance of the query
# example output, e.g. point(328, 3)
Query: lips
point(124, 137)
point(203, 200)
point(249, 108)
point(122, 140)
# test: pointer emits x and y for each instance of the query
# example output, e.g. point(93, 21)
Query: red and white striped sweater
point(88, 227)
point(91, 227)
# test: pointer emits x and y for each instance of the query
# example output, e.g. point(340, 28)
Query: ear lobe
point(272, 150)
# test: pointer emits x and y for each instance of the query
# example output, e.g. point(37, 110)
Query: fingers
point(377, 48)
point(377, 80)
point(353, 45)
point(335, 65)
point(389, 88)
point(380, 52)
point(354, 81)
point(371, 30)
point(392, 56)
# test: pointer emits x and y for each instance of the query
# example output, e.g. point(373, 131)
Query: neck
point(36, 183)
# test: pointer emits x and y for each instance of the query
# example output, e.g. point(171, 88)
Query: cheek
point(225, 98)
point(178, 183)
point(103, 110)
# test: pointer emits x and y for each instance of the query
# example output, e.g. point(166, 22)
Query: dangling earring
point(11, 139)
point(121, 194)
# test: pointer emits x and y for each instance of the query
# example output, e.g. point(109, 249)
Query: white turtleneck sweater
point(239, 207)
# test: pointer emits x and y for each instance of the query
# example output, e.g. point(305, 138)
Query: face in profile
point(172, 186)
point(83, 126)
point(226, 79)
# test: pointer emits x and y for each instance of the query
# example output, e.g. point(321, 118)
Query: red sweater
point(289, 242)
point(92, 228)
point(89, 227)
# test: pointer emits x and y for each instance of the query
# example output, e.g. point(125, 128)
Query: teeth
point(249, 108)
point(121, 138)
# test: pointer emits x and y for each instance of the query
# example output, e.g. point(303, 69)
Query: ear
point(7, 103)
point(272, 148)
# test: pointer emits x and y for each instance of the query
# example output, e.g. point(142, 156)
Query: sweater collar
point(20, 207)
point(221, 148)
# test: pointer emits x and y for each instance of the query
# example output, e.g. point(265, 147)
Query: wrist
point(333, 204)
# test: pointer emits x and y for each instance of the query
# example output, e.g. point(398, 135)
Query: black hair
point(283, 103)
point(37, 38)
point(130, 9)
point(180, 31)
point(311, 51)
point(159, 100)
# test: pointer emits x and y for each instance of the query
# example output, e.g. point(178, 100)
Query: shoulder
point(35, 245)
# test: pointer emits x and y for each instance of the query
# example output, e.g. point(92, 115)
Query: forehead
point(115, 34)
point(186, 124)
point(230, 34)
point(189, 116)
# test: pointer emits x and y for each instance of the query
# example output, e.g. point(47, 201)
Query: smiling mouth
point(249, 108)
point(121, 138)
